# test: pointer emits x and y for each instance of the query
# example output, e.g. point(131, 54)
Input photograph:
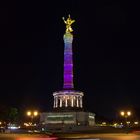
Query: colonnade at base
point(61, 99)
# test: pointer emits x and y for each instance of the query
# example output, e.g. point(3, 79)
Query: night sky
point(106, 50)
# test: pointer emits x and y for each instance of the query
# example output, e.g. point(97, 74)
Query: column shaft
point(60, 102)
point(77, 101)
point(81, 102)
point(68, 62)
point(54, 103)
point(66, 103)
point(72, 102)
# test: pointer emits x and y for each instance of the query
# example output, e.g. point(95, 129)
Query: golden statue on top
point(68, 23)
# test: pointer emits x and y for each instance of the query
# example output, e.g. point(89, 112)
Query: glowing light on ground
point(28, 138)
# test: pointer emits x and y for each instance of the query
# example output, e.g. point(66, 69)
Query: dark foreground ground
point(118, 136)
point(26, 137)
point(104, 134)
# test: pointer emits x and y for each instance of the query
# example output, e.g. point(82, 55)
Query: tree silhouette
point(13, 114)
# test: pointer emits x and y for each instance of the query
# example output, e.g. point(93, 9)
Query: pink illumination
point(68, 62)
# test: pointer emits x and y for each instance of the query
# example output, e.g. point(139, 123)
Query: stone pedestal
point(66, 121)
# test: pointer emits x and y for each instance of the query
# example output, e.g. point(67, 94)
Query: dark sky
point(106, 53)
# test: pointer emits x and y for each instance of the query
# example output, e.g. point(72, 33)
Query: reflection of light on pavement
point(89, 139)
point(36, 138)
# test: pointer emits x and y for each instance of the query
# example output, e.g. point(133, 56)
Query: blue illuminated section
point(68, 62)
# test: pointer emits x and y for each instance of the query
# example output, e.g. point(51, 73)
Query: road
point(105, 137)
point(25, 137)
point(73, 137)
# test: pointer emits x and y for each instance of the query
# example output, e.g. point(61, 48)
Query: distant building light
point(128, 122)
point(61, 116)
point(92, 117)
point(136, 122)
point(103, 123)
point(26, 124)
point(115, 124)
point(13, 127)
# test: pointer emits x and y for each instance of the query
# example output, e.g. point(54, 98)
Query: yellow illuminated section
point(68, 23)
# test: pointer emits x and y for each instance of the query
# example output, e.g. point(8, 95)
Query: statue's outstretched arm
point(64, 20)
point(73, 21)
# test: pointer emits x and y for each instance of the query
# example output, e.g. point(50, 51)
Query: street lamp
point(32, 114)
point(126, 114)
point(122, 113)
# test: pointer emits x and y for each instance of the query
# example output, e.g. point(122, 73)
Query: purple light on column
point(68, 62)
